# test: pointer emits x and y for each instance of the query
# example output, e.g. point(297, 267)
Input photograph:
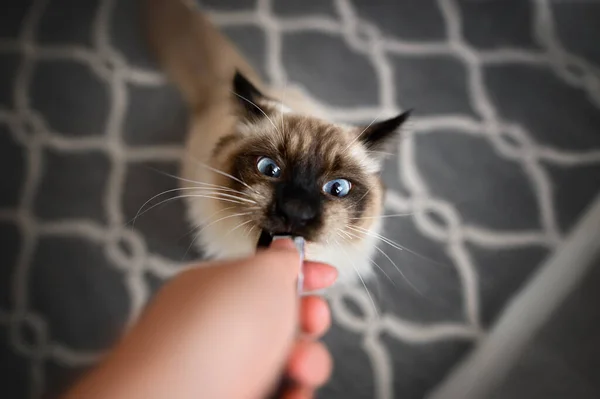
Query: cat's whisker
point(226, 195)
point(342, 231)
point(214, 196)
point(218, 187)
point(376, 235)
point(258, 108)
point(200, 182)
point(371, 260)
point(364, 195)
point(364, 130)
point(207, 219)
point(252, 208)
point(220, 172)
point(338, 232)
point(248, 234)
point(281, 107)
point(383, 216)
point(210, 224)
point(237, 227)
point(201, 194)
point(189, 246)
point(223, 218)
point(146, 203)
point(388, 154)
point(393, 244)
point(162, 172)
point(181, 189)
point(399, 270)
point(341, 247)
point(217, 213)
point(383, 271)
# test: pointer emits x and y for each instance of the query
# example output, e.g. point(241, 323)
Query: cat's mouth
point(307, 233)
point(276, 226)
point(266, 237)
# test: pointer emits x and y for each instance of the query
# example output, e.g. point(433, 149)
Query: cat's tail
point(194, 54)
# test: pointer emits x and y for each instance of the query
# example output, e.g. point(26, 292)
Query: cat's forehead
point(299, 139)
point(307, 136)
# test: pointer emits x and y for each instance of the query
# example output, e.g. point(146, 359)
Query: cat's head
point(301, 175)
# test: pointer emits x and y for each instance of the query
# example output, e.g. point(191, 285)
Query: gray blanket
point(502, 156)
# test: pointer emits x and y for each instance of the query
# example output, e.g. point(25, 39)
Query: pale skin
point(223, 330)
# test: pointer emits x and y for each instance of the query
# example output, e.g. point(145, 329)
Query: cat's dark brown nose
point(295, 212)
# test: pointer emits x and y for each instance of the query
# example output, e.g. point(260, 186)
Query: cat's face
point(303, 176)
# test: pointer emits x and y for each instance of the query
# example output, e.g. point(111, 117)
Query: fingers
point(318, 276)
point(310, 364)
point(315, 316)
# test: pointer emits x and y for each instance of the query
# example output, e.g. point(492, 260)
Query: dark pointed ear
point(377, 136)
point(248, 95)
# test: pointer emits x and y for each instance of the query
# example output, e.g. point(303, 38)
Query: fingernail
point(282, 243)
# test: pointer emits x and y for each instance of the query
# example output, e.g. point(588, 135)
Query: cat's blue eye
point(337, 187)
point(268, 167)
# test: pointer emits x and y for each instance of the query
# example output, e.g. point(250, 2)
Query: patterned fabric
point(502, 156)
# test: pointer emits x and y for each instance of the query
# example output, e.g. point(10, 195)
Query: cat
point(260, 159)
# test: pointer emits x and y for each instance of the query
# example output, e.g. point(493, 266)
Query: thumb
point(286, 262)
point(260, 300)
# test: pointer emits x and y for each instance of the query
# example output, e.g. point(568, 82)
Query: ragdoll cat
point(258, 160)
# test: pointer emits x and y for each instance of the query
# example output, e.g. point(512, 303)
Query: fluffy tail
point(196, 56)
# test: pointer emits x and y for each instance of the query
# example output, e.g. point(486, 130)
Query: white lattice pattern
point(509, 139)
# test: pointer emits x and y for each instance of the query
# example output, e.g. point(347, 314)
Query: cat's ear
point(378, 136)
point(247, 95)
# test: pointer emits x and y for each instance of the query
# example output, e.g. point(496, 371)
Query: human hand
point(224, 330)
